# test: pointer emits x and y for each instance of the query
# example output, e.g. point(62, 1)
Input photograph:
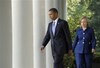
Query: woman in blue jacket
point(84, 45)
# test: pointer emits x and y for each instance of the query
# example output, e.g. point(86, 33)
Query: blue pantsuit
point(84, 60)
point(83, 44)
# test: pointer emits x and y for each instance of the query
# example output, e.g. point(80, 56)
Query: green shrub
point(96, 58)
point(69, 61)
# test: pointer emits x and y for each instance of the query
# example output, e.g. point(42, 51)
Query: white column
point(5, 34)
point(22, 34)
point(61, 7)
point(38, 32)
point(56, 4)
point(49, 59)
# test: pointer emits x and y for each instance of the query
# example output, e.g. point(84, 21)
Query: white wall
point(5, 34)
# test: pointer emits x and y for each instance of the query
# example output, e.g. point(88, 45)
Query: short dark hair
point(54, 10)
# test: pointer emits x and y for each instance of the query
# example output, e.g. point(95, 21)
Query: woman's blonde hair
point(84, 17)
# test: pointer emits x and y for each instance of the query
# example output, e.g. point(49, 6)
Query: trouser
point(58, 61)
point(84, 60)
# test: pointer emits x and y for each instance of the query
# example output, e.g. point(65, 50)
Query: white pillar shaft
point(22, 34)
point(62, 8)
point(5, 34)
point(49, 59)
point(38, 30)
point(60, 5)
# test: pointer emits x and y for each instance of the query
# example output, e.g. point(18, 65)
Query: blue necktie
point(53, 28)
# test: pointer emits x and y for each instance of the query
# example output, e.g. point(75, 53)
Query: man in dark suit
point(58, 32)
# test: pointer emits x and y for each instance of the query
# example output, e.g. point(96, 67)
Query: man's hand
point(42, 48)
point(70, 52)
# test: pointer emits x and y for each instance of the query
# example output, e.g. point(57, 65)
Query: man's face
point(52, 15)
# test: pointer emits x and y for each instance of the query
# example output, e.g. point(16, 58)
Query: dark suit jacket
point(84, 41)
point(61, 42)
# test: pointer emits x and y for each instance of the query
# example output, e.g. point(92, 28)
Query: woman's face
point(84, 23)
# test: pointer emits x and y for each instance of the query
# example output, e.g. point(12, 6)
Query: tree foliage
point(76, 10)
point(95, 19)
point(79, 8)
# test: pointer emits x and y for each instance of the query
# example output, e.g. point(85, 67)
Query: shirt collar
point(85, 29)
point(56, 20)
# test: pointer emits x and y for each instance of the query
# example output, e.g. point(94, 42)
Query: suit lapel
point(57, 28)
point(51, 30)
